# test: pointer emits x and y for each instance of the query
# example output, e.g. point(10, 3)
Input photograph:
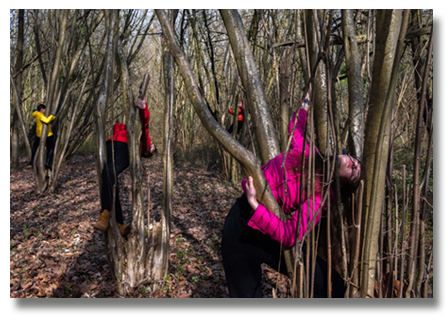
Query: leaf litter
point(55, 252)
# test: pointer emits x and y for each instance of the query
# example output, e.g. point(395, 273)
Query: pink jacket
point(266, 221)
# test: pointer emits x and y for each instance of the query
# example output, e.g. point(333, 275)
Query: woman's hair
point(346, 191)
point(40, 107)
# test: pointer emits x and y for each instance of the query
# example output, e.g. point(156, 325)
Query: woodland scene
point(144, 142)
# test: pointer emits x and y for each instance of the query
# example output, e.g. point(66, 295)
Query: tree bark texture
point(355, 84)
point(247, 68)
point(52, 88)
point(320, 95)
point(385, 71)
point(135, 247)
point(15, 129)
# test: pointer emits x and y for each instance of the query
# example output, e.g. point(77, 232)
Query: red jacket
point(119, 132)
point(240, 111)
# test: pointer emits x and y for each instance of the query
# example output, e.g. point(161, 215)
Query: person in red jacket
point(121, 160)
point(240, 118)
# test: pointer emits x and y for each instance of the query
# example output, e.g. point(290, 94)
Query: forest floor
point(55, 251)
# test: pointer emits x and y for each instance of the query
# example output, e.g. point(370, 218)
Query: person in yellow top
point(40, 118)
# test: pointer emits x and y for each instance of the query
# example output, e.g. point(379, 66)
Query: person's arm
point(284, 232)
point(299, 131)
point(231, 112)
point(42, 117)
point(46, 120)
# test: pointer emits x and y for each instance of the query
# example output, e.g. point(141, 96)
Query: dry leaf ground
point(55, 252)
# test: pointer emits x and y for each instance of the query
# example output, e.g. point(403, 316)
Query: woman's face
point(349, 169)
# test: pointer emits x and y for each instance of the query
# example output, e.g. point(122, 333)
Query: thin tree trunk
point(411, 269)
point(320, 96)
point(15, 118)
point(355, 84)
point(375, 152)
point(403, 234)
point(161, 269)
point(284, 97)
point(19, 114)
point(52, 88)
point(38, 49)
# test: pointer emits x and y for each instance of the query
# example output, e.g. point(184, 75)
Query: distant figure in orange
point(240, 118)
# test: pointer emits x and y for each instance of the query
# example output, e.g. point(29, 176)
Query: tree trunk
point(41, 179)
point(19, 114)
point(320, 94)
point(385, 74)
point(15, 130)
point(355, 84)
point(162, 229)
point(247, 68)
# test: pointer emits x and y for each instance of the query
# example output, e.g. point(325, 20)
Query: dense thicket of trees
point(369, 73)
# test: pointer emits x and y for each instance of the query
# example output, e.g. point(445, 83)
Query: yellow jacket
point(41, 118)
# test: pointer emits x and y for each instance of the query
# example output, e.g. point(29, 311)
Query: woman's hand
point(152, 147)
point(141, 103)
point(251, 193)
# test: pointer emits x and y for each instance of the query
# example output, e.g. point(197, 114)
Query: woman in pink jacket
point(252, 234)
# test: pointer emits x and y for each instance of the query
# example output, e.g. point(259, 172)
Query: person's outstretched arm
point(299, 131)
point(42, 117)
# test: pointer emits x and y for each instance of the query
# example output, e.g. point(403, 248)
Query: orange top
point(240, 111)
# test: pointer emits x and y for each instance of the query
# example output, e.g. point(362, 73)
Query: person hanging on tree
point(121, 160)
point(40, 118)
point(252, 234)
point(240, 118)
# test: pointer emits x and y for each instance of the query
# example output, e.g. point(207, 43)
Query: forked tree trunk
point(41, 179)
point(134, 261)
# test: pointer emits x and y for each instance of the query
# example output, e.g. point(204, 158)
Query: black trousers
point(121, 154)
point(50, 149)
point(240, 126)
point(244, 249)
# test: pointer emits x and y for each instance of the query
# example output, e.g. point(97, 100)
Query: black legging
point(121, 163)
point(240, 126)
point(244, 249)
point(50, 149)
